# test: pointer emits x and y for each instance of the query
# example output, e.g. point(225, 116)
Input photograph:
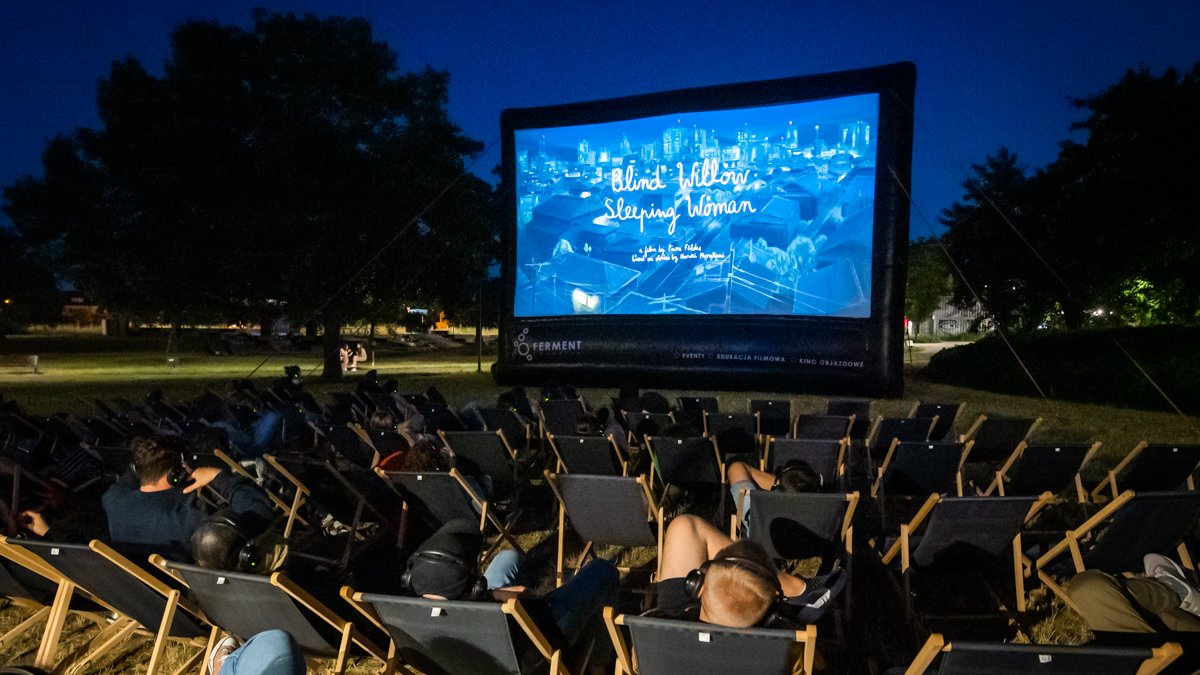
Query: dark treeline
point(253, 179)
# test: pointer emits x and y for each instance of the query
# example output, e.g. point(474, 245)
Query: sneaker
point(1170, 573)
point(224, 647)
point(818, 592)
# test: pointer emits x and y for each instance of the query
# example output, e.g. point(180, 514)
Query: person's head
point(551, 391)
point(798, 476)
point(445, 564)
point(382, 419)
point(225, 541)
point(423, 456)
point(156, 457)
point(434, 396)
point(292, 374)
point(739, 586)
point(206, 439)
point(654, 402)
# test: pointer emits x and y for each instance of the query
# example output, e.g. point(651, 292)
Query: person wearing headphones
point(708, 576)
point(444, 568)
point(155, 505)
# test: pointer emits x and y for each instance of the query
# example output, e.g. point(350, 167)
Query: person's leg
point(272, 652)
point(504, 570)
point(1105, 607)
point(266, 433)
point(569, 608)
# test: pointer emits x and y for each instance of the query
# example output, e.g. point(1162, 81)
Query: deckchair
point(822, 427)
point(671, 647)
point(456, 637)
point(885, 430)
point(560, 416)
point(382, 442)
point(996, 437)
point(827, 458)
point(692, 408)
point(16, 570)
point(1152, 468)
point(912, 469)
point(686, 461)
point(716, 424)
point(588, 454)
point(973, 658)
point(774, 415)
point(484, 453)
point(946, 413)
point(799, 525)
point(437, 498)
point(323, 483)
point(518, 431)
point(347, 442)
point(1137, 524)
point(246, 604)
point(1034, 469)
point(859, 408)
point(144, 604)
point(636, 423)
point(961, 531)
point(606, 510)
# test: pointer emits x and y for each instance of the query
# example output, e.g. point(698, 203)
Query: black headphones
point(178, 474)
point(223, 525)
point(478, 589)
point(695, 581)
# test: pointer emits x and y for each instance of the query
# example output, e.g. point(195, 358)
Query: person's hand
point(34, 522)
point(201, 477)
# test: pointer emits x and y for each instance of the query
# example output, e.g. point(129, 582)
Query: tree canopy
point(261, 173)
point(1107, 232)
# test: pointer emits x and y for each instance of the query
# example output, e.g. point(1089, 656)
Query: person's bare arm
point(739, 471)
point(688, 543)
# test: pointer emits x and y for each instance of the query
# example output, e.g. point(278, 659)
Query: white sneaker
point(1170, 573)
point(224, 647)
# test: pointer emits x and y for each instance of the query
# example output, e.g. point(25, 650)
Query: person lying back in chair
point(708, 576)
point(795, 476)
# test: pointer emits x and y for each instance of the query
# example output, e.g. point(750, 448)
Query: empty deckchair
point(686, 461)
point(560, 416)
point(1152, 468)
point(518, 431)
point(827, 458)
point(485, 454)
point(347, 442)
point(885, 430)
point(912, 469)
point(20, 574)
point(960, 532)
point(1034, 469)
point(669, 647)
point(606, 510)
point(946, 414)
point(444, 637)
point(859, 408)
point(822, 427)
point(996, 437)
point(774, 416)
point(588, 454)
point(144, 604)
point(1133, 525)
point(692, 409)
point(973, 658)
point(437, 498)
point(246, 604)
point(717, 424)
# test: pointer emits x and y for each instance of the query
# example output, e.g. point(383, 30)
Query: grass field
point(75, 370)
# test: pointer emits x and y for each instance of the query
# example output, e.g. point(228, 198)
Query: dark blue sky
point(988, 74)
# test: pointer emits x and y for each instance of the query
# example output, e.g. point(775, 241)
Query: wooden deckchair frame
point(627, 658)
point(843, 448)
point(887, 459)
point(1110, 479)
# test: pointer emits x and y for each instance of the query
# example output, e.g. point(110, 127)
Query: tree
point(28, 292)
point(929, 280)
point(286, 168)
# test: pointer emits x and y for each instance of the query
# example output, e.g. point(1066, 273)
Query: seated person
point(1161, 601)
point(156, 504)
point(259, 436)
point(796, 476)
point(444, 567)
point(231, 541)
point(271, 652)
point(708, 576)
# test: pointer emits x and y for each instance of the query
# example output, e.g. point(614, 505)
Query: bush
point(1086, 366)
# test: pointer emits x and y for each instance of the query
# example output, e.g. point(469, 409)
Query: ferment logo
point(526, 347)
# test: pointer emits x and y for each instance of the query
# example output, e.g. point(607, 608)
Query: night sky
point(988, 74)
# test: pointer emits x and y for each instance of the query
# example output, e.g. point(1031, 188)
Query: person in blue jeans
point(444, 568)
point(272, 652)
